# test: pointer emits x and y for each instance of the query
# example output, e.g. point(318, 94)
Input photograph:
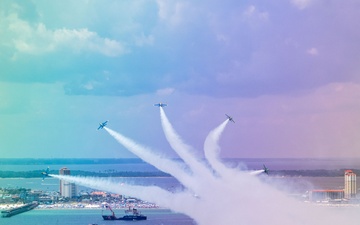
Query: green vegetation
point(13, 191)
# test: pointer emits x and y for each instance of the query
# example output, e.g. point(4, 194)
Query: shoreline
point(76, 206)
point(146, 207)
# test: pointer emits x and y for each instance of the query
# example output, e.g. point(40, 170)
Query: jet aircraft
point(102, 125)
point(266, 170)
point(230, 118)
point(160, 104)
point(45, 173)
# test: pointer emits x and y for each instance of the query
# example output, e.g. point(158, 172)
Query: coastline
point(85, 207)
point(77, 206)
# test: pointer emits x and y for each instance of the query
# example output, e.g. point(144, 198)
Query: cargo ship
point(20, 209)
point(130, 214)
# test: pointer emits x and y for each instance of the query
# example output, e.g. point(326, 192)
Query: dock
point(20, 209)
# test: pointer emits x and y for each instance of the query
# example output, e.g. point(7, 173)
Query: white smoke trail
point(212, 150)
point(161, 163)
point(240, 187)
point(255, 197)
point(174, 201)
point(256, 172)
point(186, 152)
point(215, 192)
point(235, 197)
point(212, 153)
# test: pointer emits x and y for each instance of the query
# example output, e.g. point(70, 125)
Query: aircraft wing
point(160, 104)
point(102, 125)
point(230, 118)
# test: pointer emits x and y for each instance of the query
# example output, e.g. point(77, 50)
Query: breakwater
point(17, 210)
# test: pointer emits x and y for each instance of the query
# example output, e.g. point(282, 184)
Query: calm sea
point(89, 216)
point(251, 164)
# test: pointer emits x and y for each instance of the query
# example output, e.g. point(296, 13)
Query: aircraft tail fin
point(266, 170)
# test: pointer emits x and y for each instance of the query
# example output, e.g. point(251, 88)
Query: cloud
point(312, 51)
point(144, 40)
point(172, 12)
point(165, 91)
point(38, 39)
point(253, 12)
point(227, 49)
point(301, 4)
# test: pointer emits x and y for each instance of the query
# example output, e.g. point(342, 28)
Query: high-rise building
point(350, 184)
point(67, 189)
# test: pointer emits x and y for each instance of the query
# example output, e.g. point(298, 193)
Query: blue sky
point(287, 71)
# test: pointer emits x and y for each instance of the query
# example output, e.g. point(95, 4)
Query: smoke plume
point(216, 195)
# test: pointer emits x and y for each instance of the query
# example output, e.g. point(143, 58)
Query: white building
point(350, 184)
point(67, 189)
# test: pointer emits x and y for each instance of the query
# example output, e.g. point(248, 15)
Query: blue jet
point(266, 170)
point(230, 118)
point(160, 104)
point(102, 125)
point(45, 173)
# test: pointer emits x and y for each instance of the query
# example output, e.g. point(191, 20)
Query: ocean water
point(136, 167)
point(249, 163)
point(89, 216)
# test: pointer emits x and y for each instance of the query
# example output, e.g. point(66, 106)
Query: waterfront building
point(326, 195)
point(67, 189)
point(350, 184)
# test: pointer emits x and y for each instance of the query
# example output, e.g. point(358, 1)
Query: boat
point(20, 209)
point(130, 214)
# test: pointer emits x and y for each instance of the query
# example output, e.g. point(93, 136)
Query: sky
point(287, 71)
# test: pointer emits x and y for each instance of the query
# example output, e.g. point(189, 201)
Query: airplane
point(45, 173)
point(266, 170)
point(102, 125)
point(160, 104)
point(230, 118)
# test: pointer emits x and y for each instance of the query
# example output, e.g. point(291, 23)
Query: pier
point(20, 209)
